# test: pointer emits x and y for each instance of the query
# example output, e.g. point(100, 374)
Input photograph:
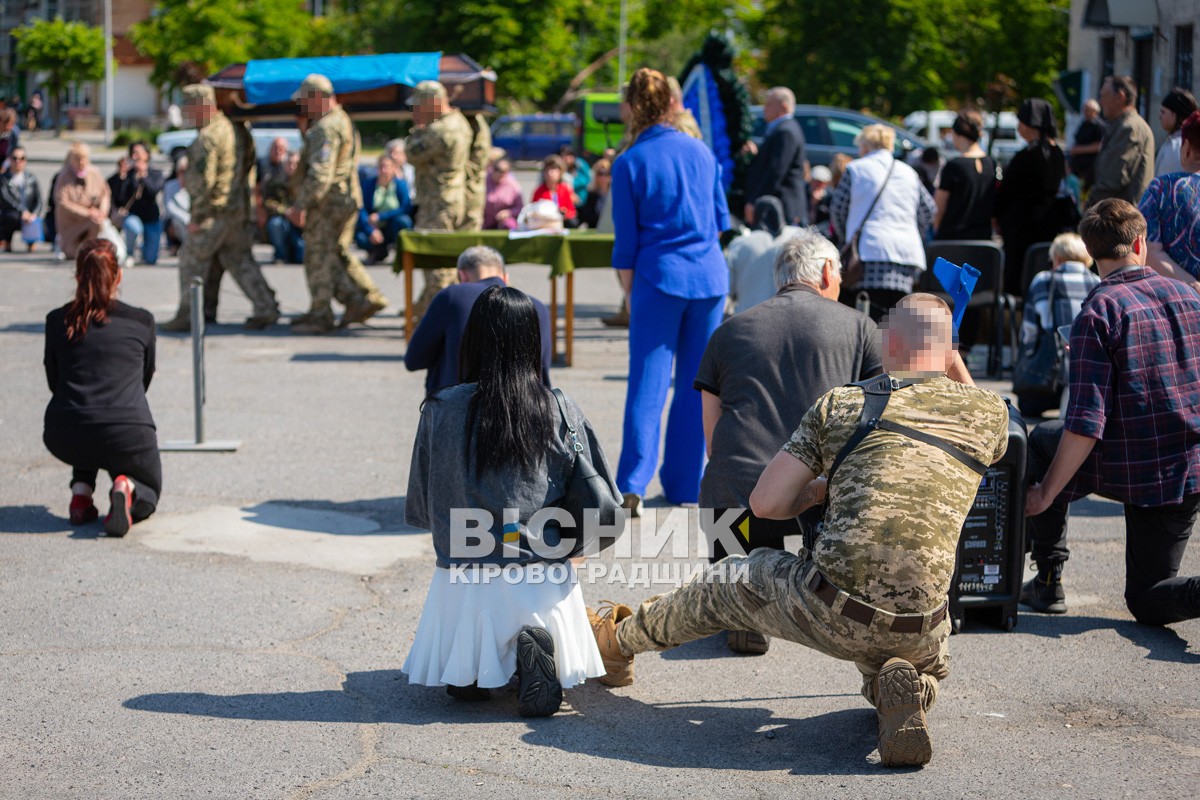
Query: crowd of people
point(807, 414)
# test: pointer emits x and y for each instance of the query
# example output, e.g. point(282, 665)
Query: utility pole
point(624, 26)
point(109, 77)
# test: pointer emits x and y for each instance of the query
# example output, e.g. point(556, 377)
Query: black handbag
point(1038, 374)
point(588, 494)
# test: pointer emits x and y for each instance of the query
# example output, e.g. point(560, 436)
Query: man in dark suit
point(434, 344)
point(778, 166)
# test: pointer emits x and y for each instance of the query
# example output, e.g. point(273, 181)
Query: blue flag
point(959, 283)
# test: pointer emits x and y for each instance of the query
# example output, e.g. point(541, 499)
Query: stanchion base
point(218, 446)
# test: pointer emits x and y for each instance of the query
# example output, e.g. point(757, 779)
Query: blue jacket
point(368, 190)
point(434, 344)
point(668, 213)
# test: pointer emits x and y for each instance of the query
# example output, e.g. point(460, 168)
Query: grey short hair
point(785, 96)
point(1069, 247)
point(393, 144)
point(802, 258)
point(473, 259)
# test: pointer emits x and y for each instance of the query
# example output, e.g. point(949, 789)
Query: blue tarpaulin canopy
point(276, 80)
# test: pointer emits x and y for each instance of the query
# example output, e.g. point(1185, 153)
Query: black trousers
point(1155, 540)
point(129, 450)
point(763, 533)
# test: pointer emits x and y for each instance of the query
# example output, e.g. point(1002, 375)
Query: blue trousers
point(149, 232)
point(665, 330)
point(287, 239)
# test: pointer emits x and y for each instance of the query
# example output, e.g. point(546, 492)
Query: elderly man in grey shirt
point(1125, 164)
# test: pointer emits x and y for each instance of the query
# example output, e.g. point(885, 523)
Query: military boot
point(179, 324)
point(1044, 592)
point(903, 732)
point(618, 666)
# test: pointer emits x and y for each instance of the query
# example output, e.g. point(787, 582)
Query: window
point(1108, 59)
point(509, 129)
point(543, 128)
point(1184, 34)
point(607, 112)
point(813, 134)
point(842, 131)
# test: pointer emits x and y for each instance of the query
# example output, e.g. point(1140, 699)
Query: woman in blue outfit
point(668, 212)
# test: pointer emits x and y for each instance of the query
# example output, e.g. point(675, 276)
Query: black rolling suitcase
point(991, 551)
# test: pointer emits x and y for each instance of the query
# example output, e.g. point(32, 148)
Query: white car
point(173, 144)
point(930, 125)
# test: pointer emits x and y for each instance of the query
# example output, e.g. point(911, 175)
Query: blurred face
point(552, 176)
point(1112, 102)
point(80, 163)
point(139, 154)
point(293, 163)
point(387, 171)
point(279, 150)
point(773, 109)
point(1168, 119)
point(603, 179)
point(1027, 133)
point(17, 160)
point(399, 157)
point(500, 168)
point(6, 125)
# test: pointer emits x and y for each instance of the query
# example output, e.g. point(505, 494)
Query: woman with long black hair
point(99, 361)
point(490, 453)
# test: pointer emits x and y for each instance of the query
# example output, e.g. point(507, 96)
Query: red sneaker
point(83, 510)
point(120, 498)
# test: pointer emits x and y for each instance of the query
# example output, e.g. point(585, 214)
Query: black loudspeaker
point(991, 550)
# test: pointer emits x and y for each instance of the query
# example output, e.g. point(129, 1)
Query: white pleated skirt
point(468, 628)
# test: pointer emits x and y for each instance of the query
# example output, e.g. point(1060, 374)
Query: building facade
point(1152, 41)
point(135, 100)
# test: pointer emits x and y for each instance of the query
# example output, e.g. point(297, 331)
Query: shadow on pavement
point(31, 519)
point(1162, 644)
point(345, 357)
point(387, 512)
point(702, 733)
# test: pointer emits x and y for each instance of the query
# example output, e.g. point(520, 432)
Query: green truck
point(598, 124)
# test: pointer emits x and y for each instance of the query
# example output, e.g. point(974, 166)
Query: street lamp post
point(624, 25)
point(109, 89)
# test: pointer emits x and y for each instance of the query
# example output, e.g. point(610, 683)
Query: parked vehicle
point(175, 143)
point(932, 125)
point(598, 123)
point(532, 137)
point(829, 130)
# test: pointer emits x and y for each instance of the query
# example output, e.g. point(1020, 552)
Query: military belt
point(854, 609)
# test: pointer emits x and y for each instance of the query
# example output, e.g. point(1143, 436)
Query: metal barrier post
point(196, 301)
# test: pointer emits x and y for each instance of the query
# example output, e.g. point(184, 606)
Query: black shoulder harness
point(877, 391)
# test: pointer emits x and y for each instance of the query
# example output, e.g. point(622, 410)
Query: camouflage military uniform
point(439, 153)
point(475, 186)
point(889, 541)
point(330, 196)
point(217, 181)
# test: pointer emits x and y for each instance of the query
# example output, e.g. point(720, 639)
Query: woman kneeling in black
point(99, 361)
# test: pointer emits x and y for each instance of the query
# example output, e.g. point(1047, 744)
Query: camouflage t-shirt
point(897, 506)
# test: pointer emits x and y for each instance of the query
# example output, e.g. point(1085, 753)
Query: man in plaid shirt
point(1132, 427)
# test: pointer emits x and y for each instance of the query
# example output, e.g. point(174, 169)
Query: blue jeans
point(391, 231)
point(150, 233)
point(287, 239)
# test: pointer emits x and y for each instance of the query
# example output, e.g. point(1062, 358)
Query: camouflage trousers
point(435, 281)
point(223, 244)
point(333, 272)
point(771, 595)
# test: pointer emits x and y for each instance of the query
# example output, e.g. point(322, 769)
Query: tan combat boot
point(903, 732)
point(618, 666)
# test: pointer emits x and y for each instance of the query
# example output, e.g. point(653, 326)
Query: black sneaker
point(539, 694)
point(1044, 594)
point(469, 694)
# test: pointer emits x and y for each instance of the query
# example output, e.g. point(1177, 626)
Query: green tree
point(895, 56)
point(67, 52)
point(188, 40)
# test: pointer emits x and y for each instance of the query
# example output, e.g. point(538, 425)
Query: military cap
point(426, 91)
point(199, 93)
point(314, 84)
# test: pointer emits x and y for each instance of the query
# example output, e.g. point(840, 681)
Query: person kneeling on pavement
point(873, 587)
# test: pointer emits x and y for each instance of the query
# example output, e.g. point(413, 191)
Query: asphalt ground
point(246, 641)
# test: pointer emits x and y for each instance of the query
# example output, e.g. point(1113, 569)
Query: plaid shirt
point(1135, 386)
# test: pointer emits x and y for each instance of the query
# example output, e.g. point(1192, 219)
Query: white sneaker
point(128, 262)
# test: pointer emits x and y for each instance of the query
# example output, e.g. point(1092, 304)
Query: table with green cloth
point(562, 253)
